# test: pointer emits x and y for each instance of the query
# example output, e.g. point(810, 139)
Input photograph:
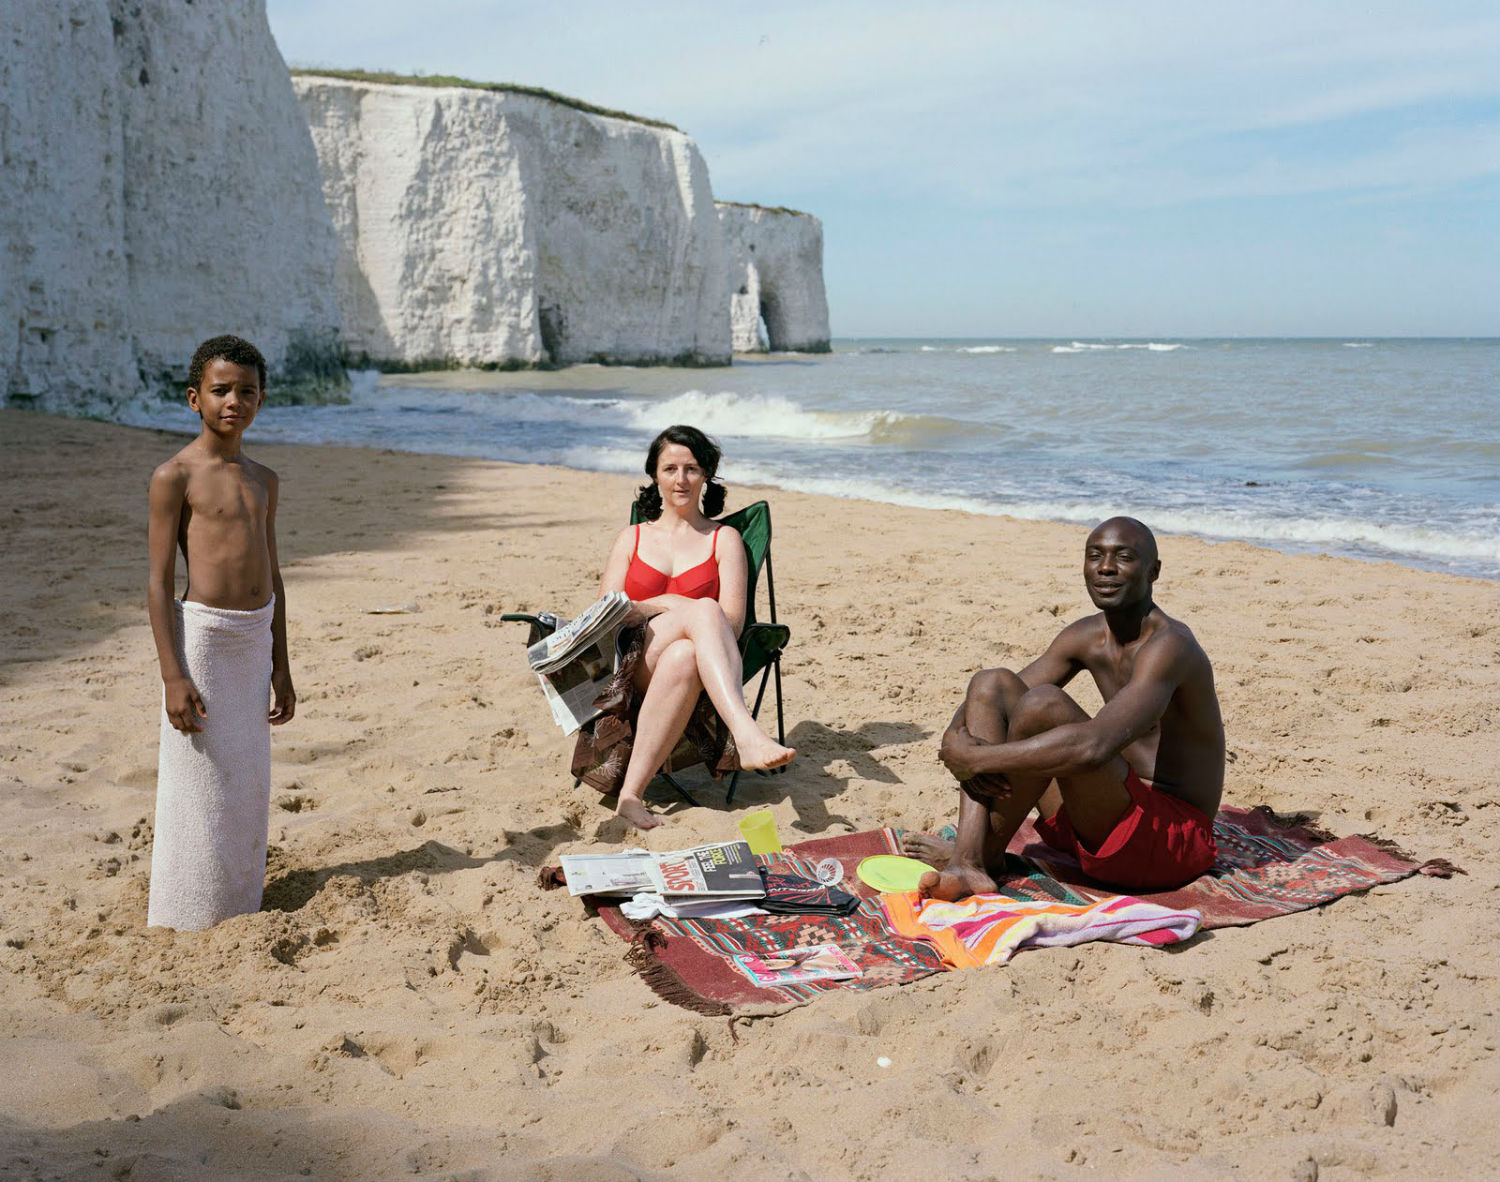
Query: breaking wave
point(771, 416)
point(1090, 347)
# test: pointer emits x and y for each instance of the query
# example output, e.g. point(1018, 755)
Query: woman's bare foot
point(959, 882)
point(761, 752)
point(636, 812)
point(928, 847)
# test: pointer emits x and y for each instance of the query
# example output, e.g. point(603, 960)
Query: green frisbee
point(891, 874)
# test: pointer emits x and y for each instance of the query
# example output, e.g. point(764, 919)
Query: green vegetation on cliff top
point(468, 84)
point(796, 213)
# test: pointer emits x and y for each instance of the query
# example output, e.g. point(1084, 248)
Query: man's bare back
point(1151, 760)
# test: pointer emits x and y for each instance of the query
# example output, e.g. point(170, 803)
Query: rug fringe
point(1302, 821)
point(1432, 867)
point(665, 982)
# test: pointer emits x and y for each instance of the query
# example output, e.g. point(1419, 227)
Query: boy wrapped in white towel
point(222, 650)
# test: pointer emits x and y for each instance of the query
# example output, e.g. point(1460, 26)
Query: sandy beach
point(409, 1004)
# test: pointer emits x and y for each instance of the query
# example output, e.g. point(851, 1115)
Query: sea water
point(1374, 449)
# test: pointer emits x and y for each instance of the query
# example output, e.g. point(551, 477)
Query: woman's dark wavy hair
point(705, 451)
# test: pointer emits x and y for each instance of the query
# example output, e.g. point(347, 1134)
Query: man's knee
point(1041, 709)
point(995, 687)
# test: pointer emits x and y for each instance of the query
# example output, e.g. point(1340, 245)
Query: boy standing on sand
point(222, 650)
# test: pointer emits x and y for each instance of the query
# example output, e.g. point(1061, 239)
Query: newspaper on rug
point(719, 870)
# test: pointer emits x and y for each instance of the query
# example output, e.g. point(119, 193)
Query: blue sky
point(1048, 168)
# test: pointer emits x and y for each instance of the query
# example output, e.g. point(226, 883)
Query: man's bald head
point(1127, 529)
point(1120, 564)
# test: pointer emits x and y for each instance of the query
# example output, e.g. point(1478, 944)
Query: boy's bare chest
point(227, 498)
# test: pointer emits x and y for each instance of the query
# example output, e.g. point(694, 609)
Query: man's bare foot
point(761, 752)
point(636, 812)
point(959, 882)
point(928, 847)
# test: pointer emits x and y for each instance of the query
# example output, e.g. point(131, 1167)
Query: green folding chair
point(761, 641)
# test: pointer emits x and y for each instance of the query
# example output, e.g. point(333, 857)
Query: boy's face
point(227, 397)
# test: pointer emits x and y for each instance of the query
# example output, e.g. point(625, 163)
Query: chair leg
point(780, 720)
point(676, 787)
point(761, 693)
point(760, 696)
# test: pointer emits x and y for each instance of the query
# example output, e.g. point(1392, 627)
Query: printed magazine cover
point(796, 966)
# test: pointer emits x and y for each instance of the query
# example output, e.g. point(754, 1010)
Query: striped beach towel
point(990, 929)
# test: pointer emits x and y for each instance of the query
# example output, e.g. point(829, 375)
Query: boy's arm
point(285, 697)
point(168, 494)
point(1057, 666)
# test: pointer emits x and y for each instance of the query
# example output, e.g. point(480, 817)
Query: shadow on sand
point(291, 890)
point(828, 761)
point(76, 563)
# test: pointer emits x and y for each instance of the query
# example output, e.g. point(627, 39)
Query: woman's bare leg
point(720, 670)
point(671, 692)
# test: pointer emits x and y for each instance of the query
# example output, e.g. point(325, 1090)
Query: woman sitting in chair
point(687, 578)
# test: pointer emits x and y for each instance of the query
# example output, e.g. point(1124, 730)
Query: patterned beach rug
point(690, 962)
point(1268, 865)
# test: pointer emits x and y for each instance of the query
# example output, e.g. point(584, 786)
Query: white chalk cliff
point(776, 279)
point(493, 227)
point(163, 179)
point(157, 186)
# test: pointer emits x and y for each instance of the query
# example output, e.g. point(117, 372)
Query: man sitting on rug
point(1132, 791)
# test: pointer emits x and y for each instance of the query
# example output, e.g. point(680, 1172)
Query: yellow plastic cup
point(759, 829)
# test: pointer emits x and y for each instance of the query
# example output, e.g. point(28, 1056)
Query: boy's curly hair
point(233, 349)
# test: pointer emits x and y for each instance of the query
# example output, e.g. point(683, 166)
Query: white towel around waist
point(213, 789)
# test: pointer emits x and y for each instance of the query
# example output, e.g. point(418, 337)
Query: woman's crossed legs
point(689, 649)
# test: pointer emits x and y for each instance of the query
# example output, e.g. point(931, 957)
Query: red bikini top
point(644, 581)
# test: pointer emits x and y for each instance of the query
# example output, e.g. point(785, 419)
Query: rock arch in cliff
point(775, 259)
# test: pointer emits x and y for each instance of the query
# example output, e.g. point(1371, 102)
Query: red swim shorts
point(1160, 843)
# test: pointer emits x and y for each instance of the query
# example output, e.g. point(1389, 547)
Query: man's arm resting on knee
point(1081, 746)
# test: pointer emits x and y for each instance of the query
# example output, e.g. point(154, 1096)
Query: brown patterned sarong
point(603, 749)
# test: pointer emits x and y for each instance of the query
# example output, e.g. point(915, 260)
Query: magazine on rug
point(576, 661)
point(796, 966)
point(722, 870)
